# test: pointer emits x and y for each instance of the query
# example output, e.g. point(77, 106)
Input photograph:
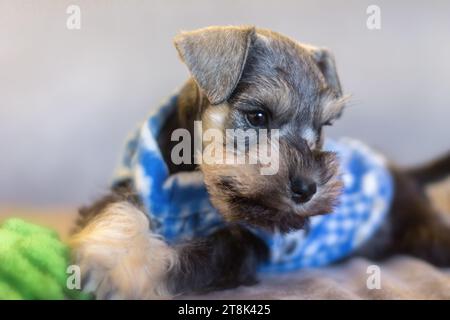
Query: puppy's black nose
point(303, 190)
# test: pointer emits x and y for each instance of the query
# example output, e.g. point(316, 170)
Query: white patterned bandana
point(180, 209)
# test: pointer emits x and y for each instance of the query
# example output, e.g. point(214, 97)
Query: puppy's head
point(259, 81)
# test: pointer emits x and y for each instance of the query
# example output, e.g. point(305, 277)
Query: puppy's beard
point(323, 169)
point(242, 193)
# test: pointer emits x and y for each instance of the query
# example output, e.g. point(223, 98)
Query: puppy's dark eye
point(327, 123)
point(257, 118)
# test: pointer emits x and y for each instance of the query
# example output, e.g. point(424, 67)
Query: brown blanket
point(401, 278)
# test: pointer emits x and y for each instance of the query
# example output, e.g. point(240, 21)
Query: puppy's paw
point(120, 258)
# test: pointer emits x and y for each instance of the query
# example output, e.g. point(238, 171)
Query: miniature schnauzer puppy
point(244, 78)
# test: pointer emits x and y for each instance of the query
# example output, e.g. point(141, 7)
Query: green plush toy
point(33, 263)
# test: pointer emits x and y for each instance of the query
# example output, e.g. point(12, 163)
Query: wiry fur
point(236, 70)
point(272, 75)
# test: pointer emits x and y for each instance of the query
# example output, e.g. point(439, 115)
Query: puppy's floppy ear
point(325, 61)
point(215, 57)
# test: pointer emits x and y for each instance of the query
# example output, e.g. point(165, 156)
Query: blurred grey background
point(68, 98)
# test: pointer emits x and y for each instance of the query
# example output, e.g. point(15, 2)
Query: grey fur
point(297, 85)
point(237, 70)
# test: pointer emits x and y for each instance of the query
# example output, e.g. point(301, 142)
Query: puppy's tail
point(434, 171)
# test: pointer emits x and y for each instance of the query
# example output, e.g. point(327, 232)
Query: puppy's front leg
point(119, 257)
point(227, 258)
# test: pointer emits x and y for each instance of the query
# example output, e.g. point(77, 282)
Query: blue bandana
point(180, 209)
